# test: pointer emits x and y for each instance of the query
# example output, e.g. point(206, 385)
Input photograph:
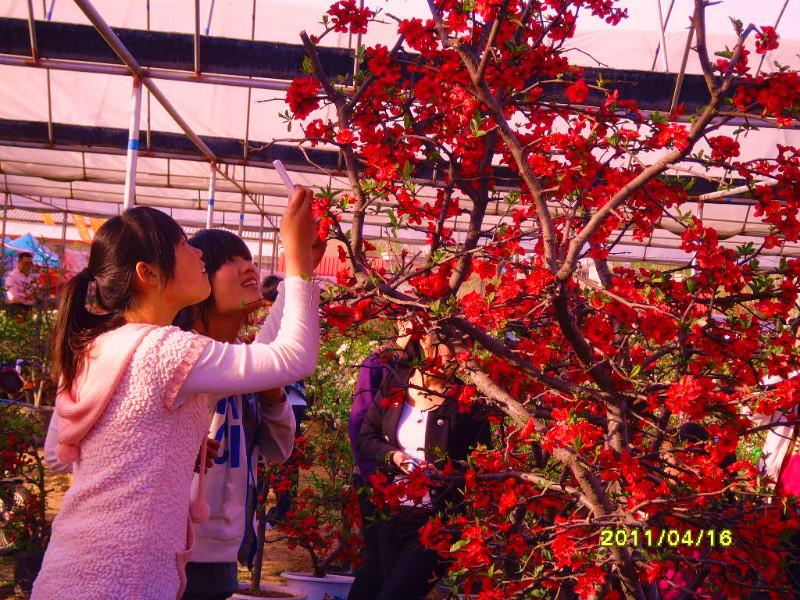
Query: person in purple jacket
point(373, 372)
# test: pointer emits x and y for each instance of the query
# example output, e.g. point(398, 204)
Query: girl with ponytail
point(134, 394)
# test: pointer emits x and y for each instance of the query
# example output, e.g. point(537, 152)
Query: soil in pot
point(267, 591)
point(263, 594)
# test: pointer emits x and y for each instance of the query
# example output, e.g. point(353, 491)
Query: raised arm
point(225, 369)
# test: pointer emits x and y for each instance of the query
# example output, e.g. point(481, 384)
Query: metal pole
point(274, 262)
point(777, 22)
point(3, 237)
point(210, 13)
point(241, 215)
point(197, 37)
point(112, 39)
point(663, 38)
point(260, 244)
point(212, 186)
point(50, 134)
point(129, 198)
point(358, 45)
point(147, 73)
point(679, 81)
point(742, 189)
point(64, 240)
point(32, 32)
point(666, 22)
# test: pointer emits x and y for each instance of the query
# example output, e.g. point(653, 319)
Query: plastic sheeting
point(69, 180)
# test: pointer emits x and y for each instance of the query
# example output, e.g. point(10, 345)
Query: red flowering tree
point(600, 484)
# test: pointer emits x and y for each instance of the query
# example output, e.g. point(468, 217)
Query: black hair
point(140, 234)
point(218, 247)
point(269, 287)
point(22, 255)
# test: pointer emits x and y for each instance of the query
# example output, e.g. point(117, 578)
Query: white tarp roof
point(93, 183)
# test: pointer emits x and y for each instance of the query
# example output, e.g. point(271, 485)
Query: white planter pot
point(280, 592)
point(315, 588)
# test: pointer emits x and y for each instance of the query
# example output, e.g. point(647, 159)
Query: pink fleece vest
point(123, 529)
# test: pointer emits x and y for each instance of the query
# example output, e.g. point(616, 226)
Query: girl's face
point(189, 284)
point(439, 354)
point(235, 285)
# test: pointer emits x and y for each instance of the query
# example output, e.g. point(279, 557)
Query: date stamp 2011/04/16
point(654, 538)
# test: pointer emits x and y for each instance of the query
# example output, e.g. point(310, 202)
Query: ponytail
point(96, 299)
point(76, 327)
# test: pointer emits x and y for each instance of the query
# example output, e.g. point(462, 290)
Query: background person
point(21, 285)
point(376, 370)
point(246, 426)
point(423, 430)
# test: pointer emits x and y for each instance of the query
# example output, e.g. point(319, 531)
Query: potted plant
point(324, 517)
point(267, 590)
point(23, 493)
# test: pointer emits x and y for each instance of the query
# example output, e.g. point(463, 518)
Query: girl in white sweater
point(245, 425)
point(134, 392)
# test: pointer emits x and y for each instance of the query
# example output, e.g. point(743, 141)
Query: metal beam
point(170, 51)
point(197, 37)
point(153, 73)
point(662, 25)
point(105, 140)
point(3, 237)
point(212, 185)
point(32, 31)
point(129, 197)
point(125, 55)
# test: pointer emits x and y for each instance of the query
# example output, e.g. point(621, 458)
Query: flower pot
point(330, 587)
point(268, 590)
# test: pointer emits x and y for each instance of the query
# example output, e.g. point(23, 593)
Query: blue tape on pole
point(241, 217)
point(211, 202)
point(133, 144)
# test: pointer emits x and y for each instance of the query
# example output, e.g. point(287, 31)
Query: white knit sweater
point(122, 530)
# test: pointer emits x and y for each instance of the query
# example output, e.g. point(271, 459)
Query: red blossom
point(302, 96)
point(577, 92)
point(345, 136)
point(766, 39)
point(723, 148)
point(347, 17)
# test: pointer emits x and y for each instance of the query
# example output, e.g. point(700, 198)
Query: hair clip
point(92, 304)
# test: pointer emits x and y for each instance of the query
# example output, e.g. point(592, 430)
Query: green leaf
point(657, 117)
point(475, 127)
point(308, 66)
point(458, 545)
point(745, 249)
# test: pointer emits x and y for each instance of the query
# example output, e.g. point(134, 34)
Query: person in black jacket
point(415, 423)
